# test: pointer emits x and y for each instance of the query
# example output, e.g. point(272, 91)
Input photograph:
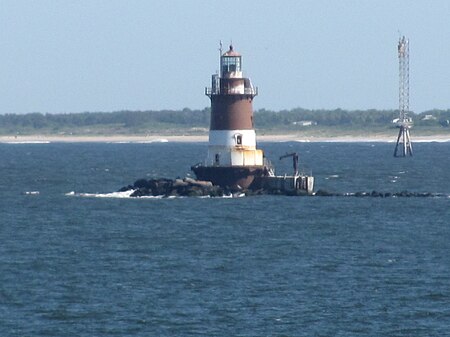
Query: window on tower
point(231, 64)
point(238, 138)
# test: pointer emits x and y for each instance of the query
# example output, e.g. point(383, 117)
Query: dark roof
point(231, 52)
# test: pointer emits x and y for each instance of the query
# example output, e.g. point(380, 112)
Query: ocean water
point(75, 262)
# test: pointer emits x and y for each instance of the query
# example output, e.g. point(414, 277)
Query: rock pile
point(376, 194)
point(186, 187)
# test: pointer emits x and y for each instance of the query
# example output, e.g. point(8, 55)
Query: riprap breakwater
point(188, 187)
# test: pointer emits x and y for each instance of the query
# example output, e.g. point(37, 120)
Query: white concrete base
point(246, 138)
point(234, 156)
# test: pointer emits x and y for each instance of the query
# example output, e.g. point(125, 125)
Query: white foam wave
point(162, 140)
point(231, 195)
point(436, 140)
point(127, 195)
point(31, 192)
point(119, 195)
point(28, 142)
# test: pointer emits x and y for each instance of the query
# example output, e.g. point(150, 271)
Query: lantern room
point(231, 63)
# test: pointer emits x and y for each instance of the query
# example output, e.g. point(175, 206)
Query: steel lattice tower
point(404, 122)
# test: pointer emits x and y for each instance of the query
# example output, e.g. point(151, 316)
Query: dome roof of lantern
point(231, 52)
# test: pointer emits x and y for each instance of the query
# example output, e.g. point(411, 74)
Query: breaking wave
point(160, 140)
point(128, 195)
point(119, 195)
point(320, 193)
point(31, 193)
point(27, 142)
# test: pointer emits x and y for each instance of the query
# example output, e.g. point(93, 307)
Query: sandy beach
point(204, 138)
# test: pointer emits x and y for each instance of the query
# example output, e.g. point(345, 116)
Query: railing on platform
point(233, 91)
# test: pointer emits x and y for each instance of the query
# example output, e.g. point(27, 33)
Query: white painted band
point(232, 138)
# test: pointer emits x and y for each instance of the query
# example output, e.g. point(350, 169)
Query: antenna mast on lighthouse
point(404, 122)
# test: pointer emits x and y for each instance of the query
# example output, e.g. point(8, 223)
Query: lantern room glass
point(231, 64)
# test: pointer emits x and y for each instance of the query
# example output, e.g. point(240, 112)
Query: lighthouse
point(232, 159)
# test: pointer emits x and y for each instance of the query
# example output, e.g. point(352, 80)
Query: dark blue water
point(255, 266)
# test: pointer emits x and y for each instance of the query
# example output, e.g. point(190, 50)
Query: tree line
point(127, 119)
point(187, 118)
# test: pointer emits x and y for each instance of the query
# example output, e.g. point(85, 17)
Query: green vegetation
point(191, 122)
point(106, 123)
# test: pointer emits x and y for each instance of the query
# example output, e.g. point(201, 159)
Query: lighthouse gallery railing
point(231, 91)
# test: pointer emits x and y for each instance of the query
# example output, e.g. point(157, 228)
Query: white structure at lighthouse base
point(233, 148)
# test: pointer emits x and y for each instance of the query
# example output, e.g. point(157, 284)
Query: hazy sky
point(91, 55)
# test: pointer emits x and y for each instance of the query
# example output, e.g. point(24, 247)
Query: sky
point(60, 56)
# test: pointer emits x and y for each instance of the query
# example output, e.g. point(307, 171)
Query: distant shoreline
point(204, 138)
